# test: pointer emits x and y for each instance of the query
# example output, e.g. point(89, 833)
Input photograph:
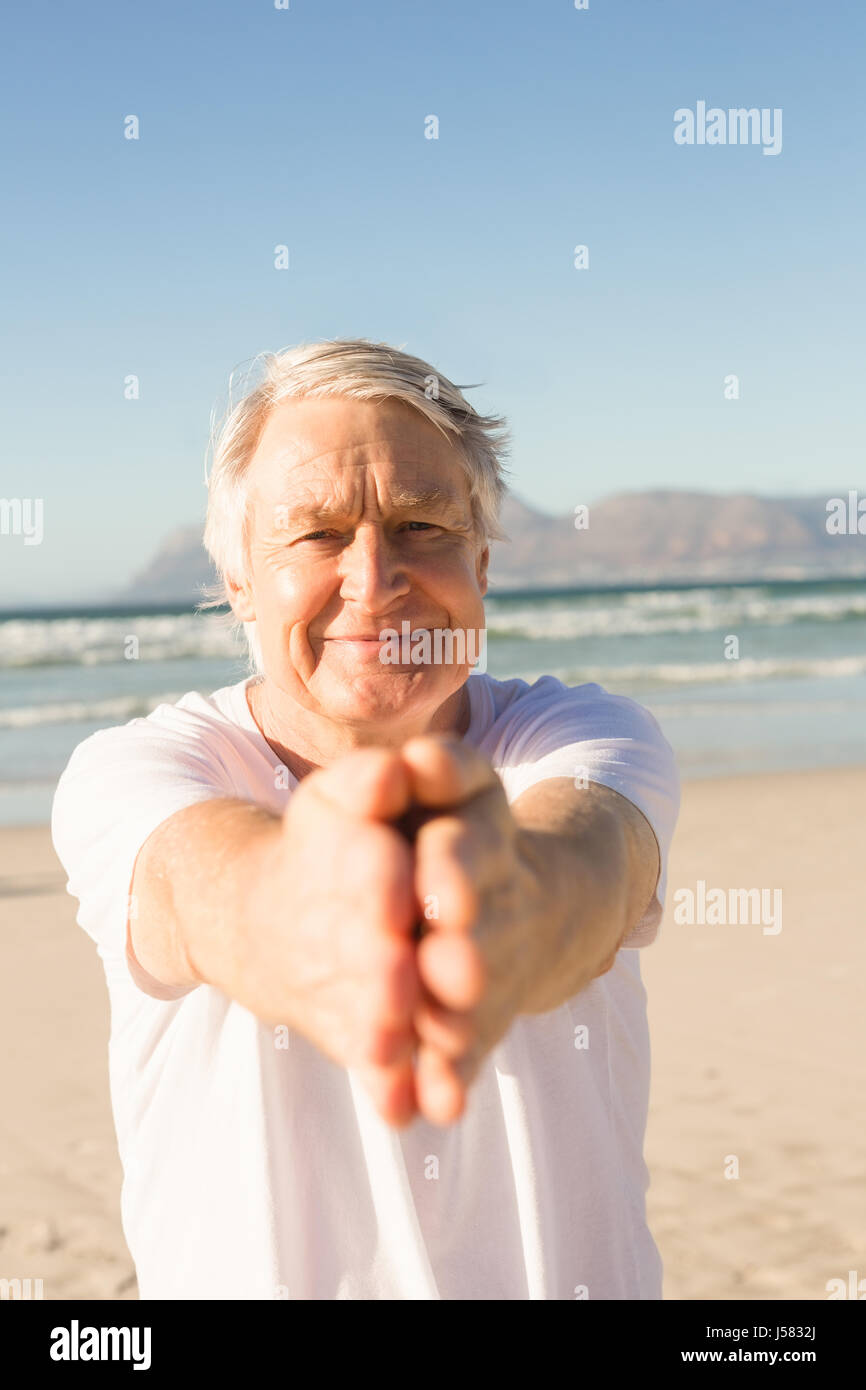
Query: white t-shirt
point(258, 1171)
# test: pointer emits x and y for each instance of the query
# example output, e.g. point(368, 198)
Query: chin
point(377, 698)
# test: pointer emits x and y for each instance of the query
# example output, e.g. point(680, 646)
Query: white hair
point(359, 370)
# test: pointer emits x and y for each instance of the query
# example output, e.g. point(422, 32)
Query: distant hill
point(650, 537)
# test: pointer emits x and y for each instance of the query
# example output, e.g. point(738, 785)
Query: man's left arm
point(525, 904)
point(596, 862)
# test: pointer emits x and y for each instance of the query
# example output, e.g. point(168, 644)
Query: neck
point(316, 741)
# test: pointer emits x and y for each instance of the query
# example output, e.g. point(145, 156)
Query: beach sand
point(758, 1045)
point(758, 1055)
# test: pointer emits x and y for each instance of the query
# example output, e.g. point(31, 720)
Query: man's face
point(360, 521)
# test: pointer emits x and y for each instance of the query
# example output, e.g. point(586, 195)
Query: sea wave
point(715, 673)
point(116, 710)
point(634, 677)
point(656, 613)
point(106, 639)
point(101, 641)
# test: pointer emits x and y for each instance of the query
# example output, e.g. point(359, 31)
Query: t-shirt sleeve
point(588, 735)
point(119, 785)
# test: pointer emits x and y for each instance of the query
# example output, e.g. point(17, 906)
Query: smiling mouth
point(386, 634)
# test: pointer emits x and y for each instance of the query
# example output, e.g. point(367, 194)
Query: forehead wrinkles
point(375, 482)
point(299, 447)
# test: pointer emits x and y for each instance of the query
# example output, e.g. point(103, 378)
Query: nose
point(371, 569)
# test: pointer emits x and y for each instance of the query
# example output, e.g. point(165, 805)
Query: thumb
point(444, 771)
point(368, 784)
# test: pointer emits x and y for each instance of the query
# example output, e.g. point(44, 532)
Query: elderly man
point(369, 926)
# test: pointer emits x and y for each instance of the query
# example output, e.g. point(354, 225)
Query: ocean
point(789, 693)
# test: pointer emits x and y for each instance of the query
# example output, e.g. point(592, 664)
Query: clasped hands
point(375, 845)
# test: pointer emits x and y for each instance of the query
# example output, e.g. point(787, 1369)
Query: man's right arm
point(194, 887)
point(304, 919)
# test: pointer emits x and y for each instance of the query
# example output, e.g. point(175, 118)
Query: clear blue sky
point(306, 127)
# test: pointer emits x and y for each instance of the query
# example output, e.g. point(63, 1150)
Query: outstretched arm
point(530, 903)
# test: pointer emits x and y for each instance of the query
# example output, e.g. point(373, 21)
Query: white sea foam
point(110, 711)
point(84, 641)
point(101, 640)
point(624, 678)
point(747, 669)
point(654, 613)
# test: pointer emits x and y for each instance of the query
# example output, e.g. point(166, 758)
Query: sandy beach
point(759, 1063)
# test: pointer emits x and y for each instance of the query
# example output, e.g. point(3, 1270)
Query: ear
point(481, 568)
point(241, 599)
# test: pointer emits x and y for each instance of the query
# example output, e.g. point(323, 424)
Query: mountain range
point(637, 537)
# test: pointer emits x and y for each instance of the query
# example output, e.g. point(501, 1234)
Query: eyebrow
point(402, 500)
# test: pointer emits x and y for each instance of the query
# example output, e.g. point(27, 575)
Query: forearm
point(194, 891)
point(581, 895)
